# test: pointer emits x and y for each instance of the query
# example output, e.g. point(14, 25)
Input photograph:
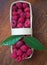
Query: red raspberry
point(13, 55)
point(19, 44)
point(27, 9)
point(19, 59)
point(14, 13)
point(14, 17)
point(22, 15)
point(21, 20)
point(13, 23)
point(27, 15)
point(19, 52)
point(14, 8)
point(19, 25)
point(24, 56)
point(27, 23)
point(19, 11)
point(29, 52)
point(23, 48)
point(25, 5)
point(14, 50)
point(19, 5)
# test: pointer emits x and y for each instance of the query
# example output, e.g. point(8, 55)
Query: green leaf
point(11, 40)
point(33, 43)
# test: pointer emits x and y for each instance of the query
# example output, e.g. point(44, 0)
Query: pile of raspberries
point(21, 51)
point(20, 19)
point(20, 15)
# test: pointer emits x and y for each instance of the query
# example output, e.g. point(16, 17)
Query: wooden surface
point(39, 31)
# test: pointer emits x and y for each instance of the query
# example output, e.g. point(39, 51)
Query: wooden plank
point(39, 31)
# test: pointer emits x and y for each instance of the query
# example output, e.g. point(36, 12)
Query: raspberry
point(19, 44)
point(14, 13)
point(24, 56)
point(22, 15)
point(14, 50)
point(13, 55)
point(13, 23)
point(19, 11)
point(19, 5)
point(14, 8)
point(14, 17)
point(25, 5)
point(23, 48)
point(19, 59)
point(27, 9)
point(27, 15)
point(19, 52)
point(29, 52)
point(27, 23)
point(21, 20)
point(19, 25)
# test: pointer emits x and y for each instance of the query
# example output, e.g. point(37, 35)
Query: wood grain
point(39, 31)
